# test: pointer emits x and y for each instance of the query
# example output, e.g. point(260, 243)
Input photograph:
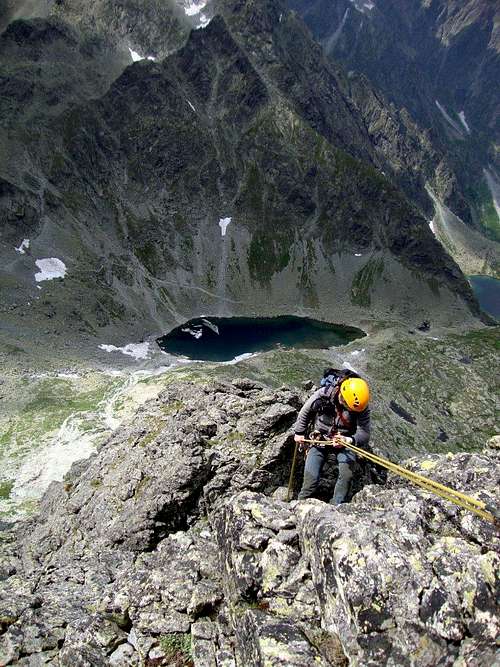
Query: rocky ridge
point(171, 544)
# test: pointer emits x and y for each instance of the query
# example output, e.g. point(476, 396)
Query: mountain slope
point(127, 190)
point(443, 68)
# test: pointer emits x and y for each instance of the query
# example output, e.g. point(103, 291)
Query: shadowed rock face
point(440, 71)
point(444, 50)
point(171, 528)
point(153, 28)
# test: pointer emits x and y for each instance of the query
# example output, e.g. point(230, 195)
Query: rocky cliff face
point(449, 49)
point(151, 28)
point(248, 121)
point(168, 547)
point(438, 62)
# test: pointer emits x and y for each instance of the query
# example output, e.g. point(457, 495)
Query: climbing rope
point(292, 474)
point(467, 502)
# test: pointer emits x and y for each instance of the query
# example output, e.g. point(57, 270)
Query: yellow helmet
point(355, 393)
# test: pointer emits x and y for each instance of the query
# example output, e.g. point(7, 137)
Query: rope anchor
point(447, 493)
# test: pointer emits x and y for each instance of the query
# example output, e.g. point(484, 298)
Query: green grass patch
point(141, 487)
point(253, 190)
point(6, 488)
point(53, 400)
point(177, 649)
point(155, 429)
point(172, 408)
point(268, 253)
point(483, 203)
point(364, 281)
point(148, 255)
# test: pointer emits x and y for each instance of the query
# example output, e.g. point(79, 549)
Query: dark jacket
point(324, 413)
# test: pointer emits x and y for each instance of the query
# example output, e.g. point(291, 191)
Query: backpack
point(323, 407)
point(333, 377)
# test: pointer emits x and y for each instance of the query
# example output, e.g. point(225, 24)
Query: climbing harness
point(467, 502)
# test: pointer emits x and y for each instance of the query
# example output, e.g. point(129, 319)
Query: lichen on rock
point(202, 554)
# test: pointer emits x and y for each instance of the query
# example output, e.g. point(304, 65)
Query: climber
point(339, 411)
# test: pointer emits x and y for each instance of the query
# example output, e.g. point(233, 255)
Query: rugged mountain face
point(154, 28)
point(444, 50)
point(247, 121)
point(169, 547)
point(438, 61)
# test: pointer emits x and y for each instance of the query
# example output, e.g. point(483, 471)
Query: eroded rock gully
point(175, 527)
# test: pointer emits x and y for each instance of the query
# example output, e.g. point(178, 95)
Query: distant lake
point(487, 291)
point(223, 339)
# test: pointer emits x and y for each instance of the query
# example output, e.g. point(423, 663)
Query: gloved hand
point(341, 441)
point(299, 439)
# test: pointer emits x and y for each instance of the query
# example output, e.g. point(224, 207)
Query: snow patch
point(358, 254)
point(137, 56)
point(461, 115)
point(240, 357)
point(136, 350)
point(204, 21)
point(24, 245)
point(192, 107)
point(346, 364)
point(196, 333)
point(494, 186)
point(448, 118)
point(194, 7)
point(431, 225)
point(187, 360)
point(50, 268)
point(355, 353)
point(333, 39)
point(78, 435)
point(68, 376)
point(211, 325)
point(223, 223)
point(361, 6)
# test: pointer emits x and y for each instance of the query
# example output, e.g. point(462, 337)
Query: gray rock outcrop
point(171, 546)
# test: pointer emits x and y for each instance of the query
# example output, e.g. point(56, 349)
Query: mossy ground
point(177, 649)
point(488, 217)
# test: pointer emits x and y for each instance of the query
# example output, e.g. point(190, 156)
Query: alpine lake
point(224, 339)
point(487, 291)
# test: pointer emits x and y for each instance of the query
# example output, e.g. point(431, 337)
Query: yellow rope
point(292, 474)
point(445, 492)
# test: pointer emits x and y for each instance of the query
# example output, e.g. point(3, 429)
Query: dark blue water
point(222, 339)
point(487, 291)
